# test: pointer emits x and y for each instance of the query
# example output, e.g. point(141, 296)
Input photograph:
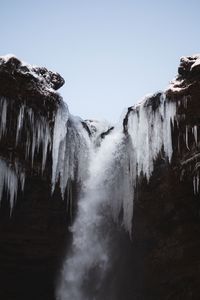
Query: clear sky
point(110, 52)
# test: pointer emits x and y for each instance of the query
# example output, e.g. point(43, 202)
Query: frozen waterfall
point(113, 169)
point(68, 142)
point(107, 161)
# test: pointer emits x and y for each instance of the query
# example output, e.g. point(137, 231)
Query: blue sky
point(111, 53)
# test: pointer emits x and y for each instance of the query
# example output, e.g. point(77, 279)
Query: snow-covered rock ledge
point(188, 73)
point(23, 81)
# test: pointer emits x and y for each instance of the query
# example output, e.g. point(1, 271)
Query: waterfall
point(89, 251)
point(108, 192)
point(107, 161)
point(68, 142)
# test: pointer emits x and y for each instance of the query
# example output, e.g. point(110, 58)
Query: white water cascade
point(90, 245)
point(113, 170)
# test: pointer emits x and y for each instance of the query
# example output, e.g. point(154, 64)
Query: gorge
point(92, 210)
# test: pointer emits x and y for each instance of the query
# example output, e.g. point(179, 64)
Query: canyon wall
point(43, 161)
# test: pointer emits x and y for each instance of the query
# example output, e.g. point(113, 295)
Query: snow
point(45, 81)
point(176, 85)
point(197, 63)
point(179, 83)
point(98, 127)
point(6, 57)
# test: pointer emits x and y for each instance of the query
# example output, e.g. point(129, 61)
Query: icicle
point(168, 119)
point(150, 131)
point(10, 180)
point(185, 101)
point(197, 182)
point(70, 149)
point(178, 143)
point(195, 131)
point(20, 123)
point(186, 137)
point(46, 143)
point(194, 184)
point(27, 147)
point(40, 136)
point(3, 116)
point(58, 149)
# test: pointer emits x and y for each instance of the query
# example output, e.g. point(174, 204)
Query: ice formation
point(149, 131)
point(3, 111)
point(113, 171)
point(196, 180)
point(108, 166)
point(10, 179)
point(37, 136)
point(70, 150)
point(195, 132)
point(196, 183)
point(69, 141)
point(40, 135)
point(37, 130)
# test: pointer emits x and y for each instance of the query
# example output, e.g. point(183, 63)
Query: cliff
point(162, 262)
point(44, 154)
point(33, 222)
